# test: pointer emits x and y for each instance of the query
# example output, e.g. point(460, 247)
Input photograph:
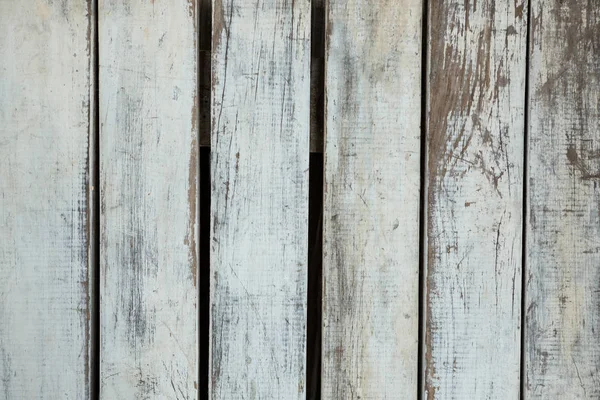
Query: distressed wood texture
point(371, 203)
point(46, 119)
point(562, 346)
point(475, 150)
point(148, 174)
point(259, 223)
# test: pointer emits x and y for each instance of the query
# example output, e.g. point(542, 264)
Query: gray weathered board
point(562, 336)
point(259, 216)
point(148, 173)
point(371, 199)
point(46, 121)
point(475, 154)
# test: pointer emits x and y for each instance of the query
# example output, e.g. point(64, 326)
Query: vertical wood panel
point(371, 205)
point(148, 173)
point(259, 224)
point(475, 100)
point(563, 227)
point(45, 137)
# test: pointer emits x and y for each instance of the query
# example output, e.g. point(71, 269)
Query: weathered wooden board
point(204, 74)
point(475, 151)
point(371, 204)
point(562, 345)
point(46, 122)
point(259, 224)
point(148, 167)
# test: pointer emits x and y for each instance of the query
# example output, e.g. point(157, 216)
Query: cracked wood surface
point(259, 223)
point(148, 173)
point(46, 116)
point(475, 150)
point(562, 349)
point(371, 204)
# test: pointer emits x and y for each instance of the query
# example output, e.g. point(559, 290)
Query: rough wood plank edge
point(259, 224)
point(372, 198)
point(475, 100)
point(149, 206)
point(204, 68)
point(562, 346)
point(46, 140)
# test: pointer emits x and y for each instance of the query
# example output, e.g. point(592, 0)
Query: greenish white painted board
point(46, 122)
point(148, 173)
point(371, 199)
point(474, 207)
point(562, 345)
point(259, 216)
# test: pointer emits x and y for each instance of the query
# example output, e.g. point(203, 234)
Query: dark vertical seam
point(203, 51)
point(423, 203)
point(529, 36)
point(95, 306)
point(315, 204)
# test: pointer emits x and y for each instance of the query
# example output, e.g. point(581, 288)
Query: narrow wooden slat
point(148, 174)
point(475, 150)
point(371, 205)
point(46, 122)
point(562, 346)
point(204, 75)
point(317, 75)
point(259, 223)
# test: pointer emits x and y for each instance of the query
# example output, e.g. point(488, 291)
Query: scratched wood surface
point(45, 132)
point(562, 349)
point(475, 150)
point(259, 224)
point(148, 173)
point(371, 204)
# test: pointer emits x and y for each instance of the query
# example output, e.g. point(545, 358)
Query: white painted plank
point(562, 346)
point(475, 108)
point(45, 133)
point(259, 216)
point(148, 168)
point(371, 200)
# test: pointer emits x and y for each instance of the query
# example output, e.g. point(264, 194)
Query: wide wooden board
point(148, 173)
point(475, 151)
point(371, 203)
point(46, 124)
point(562, 346)
point(259, 223)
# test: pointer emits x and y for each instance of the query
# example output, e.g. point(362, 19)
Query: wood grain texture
point(562, 349)
point(475, 150)
point(259, 224)
point(149, 172)
point(46, 119)
point(371, 203)
point(204, 70)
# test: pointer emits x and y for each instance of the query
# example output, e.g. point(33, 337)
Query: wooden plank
point(371, 204)
point(46, 123)
point(317, 75)
point(259, 223)
point(204, 74)
point(475, 150)
point(562, 350)
point(149, 172)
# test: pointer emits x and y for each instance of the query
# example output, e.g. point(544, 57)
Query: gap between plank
point(204, 264)
point(423, 202)
point(315, 277)
point(315, 208)
point(95, 204)
point(523, 374)
point(204, 95)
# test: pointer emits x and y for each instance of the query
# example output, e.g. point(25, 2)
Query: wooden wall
point(300, 199)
